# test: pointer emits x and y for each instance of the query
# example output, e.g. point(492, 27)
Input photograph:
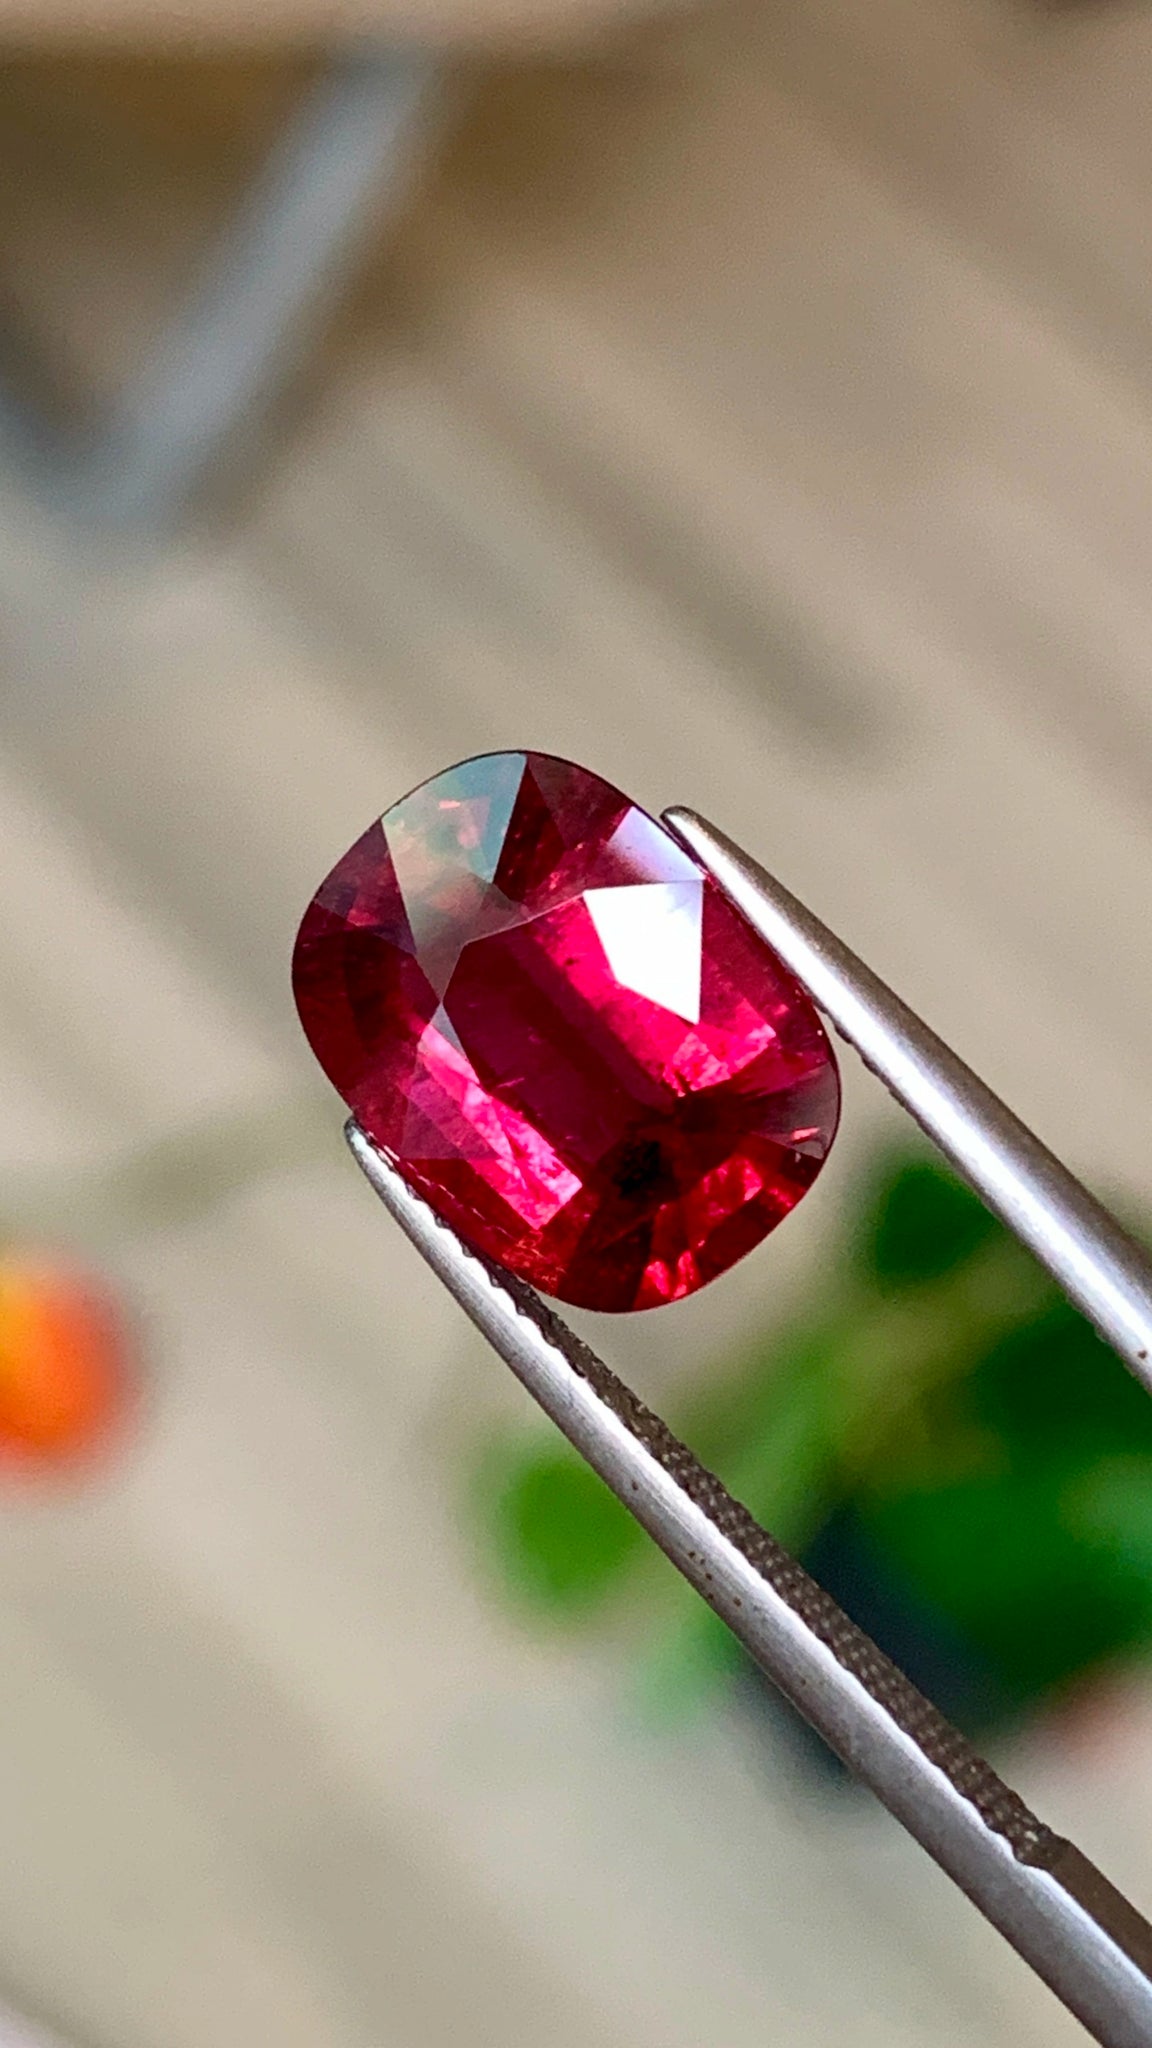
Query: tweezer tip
point(715, 851)
point(361, 1147)
point(686, 823)
point(434, 1239)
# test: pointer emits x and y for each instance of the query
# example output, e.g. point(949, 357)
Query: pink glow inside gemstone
point(537, 1005)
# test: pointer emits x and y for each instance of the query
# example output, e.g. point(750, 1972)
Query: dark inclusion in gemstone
point(537, 1005)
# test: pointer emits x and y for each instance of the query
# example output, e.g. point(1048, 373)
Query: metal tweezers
point(1056, 1909)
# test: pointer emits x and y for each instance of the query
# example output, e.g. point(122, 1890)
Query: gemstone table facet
point(548, 1017)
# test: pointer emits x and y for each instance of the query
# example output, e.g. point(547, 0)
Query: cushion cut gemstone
point(548, 1017)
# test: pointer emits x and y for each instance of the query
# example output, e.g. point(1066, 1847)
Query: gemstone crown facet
point(548, 1017)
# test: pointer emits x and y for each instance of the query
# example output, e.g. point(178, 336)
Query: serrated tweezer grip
point(1056, 1909)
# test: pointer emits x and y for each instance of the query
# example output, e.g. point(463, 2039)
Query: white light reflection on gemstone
point(651, 850)
point(651, 933)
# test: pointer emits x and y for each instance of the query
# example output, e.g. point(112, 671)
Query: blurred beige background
point(760, 410)
point(269, 24)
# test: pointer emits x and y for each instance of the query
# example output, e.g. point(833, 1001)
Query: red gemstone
point(537, 1005)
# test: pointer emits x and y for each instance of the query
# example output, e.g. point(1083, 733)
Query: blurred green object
point(562, 1538)
point(923, 1223)
point(945, 1442)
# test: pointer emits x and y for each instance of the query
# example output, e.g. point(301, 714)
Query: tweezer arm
point(1054, 1907)
point(1097, 1264)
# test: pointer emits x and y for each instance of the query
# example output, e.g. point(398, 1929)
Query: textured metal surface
point(1056, 1909)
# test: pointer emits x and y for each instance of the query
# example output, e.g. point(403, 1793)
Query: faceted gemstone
point(548, 1017)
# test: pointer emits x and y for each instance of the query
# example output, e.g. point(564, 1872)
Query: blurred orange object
point(64, 1365)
